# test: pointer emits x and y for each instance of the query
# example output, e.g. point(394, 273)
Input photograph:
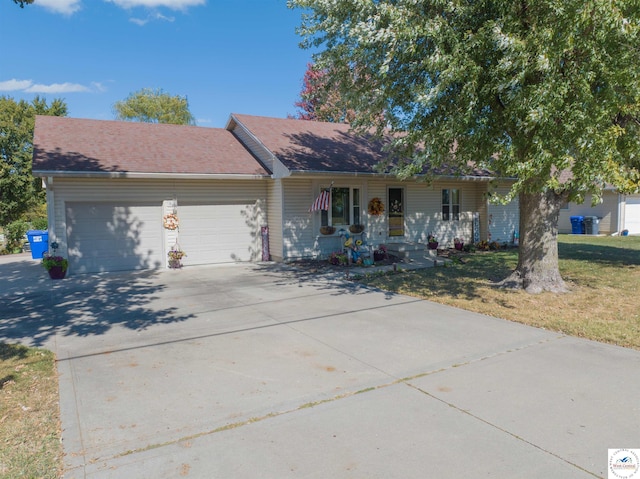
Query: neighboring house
point(111, 184)
point(615, 213)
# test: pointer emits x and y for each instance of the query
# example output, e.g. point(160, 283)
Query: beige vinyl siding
point(298, 235)
point(423, 211)
point(503, 221)
point(607, 211)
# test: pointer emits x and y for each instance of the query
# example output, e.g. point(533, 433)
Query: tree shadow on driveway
point(83, 305)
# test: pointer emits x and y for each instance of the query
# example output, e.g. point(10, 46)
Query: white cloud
point(57, 88)
point(15, 85)
point(66, 7)
point(154, 16)
point(172, 4)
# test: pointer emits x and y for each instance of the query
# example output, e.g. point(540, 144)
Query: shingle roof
point(314, 146)
point(70, 145)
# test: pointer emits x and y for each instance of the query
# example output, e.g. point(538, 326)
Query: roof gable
point(72, 145)
point(314, 146)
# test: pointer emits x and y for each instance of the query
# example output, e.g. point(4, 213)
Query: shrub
point(14, 234)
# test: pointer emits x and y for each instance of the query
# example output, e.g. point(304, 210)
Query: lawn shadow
point(605, 254)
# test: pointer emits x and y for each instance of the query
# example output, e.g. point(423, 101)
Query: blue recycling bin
point(39, 243)
point(577, 225)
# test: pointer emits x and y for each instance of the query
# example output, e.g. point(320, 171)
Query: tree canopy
point(154, 106)
point(320, 100)
point(20, 192)
point(546, 92)
point(22, 3)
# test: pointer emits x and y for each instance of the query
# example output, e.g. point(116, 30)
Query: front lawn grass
point(29, 414)
point(602, 272)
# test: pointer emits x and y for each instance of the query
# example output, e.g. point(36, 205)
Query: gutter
point(138, 175)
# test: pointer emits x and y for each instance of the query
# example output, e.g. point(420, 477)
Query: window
point(344, 207)
point(450, 204)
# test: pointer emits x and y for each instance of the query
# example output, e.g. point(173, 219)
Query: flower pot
point(57, 272)
point(327, 230)
point(378, 256)
point(459, 246)
point(432, 245)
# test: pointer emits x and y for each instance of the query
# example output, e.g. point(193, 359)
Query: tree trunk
point(538, 268)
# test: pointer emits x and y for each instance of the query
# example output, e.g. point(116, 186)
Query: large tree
point(544, 91)
point(20, 192)
point(154, 106)
point(320, 100)
point(22, 3)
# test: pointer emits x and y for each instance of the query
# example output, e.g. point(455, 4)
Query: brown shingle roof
point(303, 145)
point(70, 145)
point(314, 146)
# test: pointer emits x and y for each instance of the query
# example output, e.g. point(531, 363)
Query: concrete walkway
point(259, 371)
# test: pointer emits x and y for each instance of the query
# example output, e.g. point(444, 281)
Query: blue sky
point(225, 56)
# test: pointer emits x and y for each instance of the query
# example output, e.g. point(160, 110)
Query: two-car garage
point(106, 236)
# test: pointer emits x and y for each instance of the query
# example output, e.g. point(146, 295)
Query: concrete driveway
point(259, 371)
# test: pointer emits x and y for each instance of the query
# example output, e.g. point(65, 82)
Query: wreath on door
point(170, 221)
point(376, 206)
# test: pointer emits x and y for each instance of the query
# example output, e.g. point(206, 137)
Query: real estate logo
point(624, 463)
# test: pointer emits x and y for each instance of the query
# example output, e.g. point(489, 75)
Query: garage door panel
point(219, 233)
point(114, 237)
point(632, 214)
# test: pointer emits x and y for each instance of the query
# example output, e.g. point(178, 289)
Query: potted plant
point(458, 243)
point(432, 242)
point(356, 229)
point(175, 257)
point(55, 265)
point(380, 253)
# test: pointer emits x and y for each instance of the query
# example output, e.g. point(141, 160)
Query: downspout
point(51, 206)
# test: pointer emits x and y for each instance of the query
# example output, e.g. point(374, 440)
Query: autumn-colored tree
point(320, 99)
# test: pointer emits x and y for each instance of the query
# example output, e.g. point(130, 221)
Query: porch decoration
point(458, 243)
point(175, 257)
point(380, 253)
point(170, 221)
point(432, 242)
point(376, 206)
point(327, 230)
point(56, 266)
point(356, 229)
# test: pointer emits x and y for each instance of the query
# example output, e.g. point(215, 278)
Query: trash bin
point(39, 242)
point(577, 225)
point(591, 225)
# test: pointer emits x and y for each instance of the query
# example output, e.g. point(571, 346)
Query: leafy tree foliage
point(154, 106)
point(320, 100)
point(544, 91)
point(20, 192)
point(22, 3)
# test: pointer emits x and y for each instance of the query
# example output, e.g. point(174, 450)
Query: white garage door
point(212, 234)
point(114, 237)
point(632, 214)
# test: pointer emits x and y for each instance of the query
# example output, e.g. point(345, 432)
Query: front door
point(396, 211)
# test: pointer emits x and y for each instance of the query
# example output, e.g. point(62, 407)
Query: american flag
point(321, 202)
